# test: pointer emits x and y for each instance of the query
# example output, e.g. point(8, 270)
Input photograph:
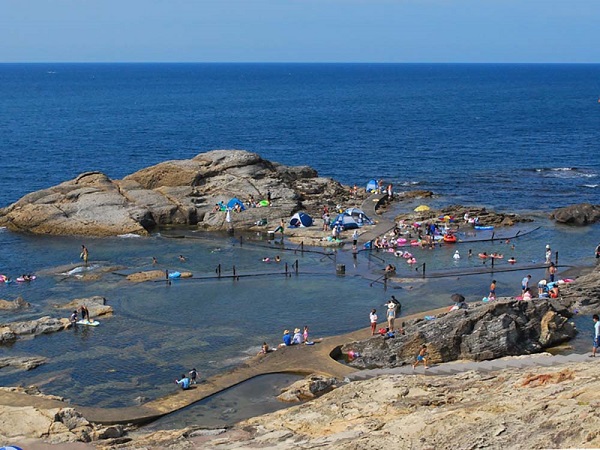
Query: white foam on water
point(128, 235)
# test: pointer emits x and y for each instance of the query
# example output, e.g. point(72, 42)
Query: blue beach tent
point(372, 186)
point(346, 221)
point(359, 216)
point(235, 201)
point(301, 219)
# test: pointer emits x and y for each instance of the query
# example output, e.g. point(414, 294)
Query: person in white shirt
point(596, 334)
point(373, 319)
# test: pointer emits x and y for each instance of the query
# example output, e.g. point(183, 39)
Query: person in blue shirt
point(287, 338)
point(184, 382)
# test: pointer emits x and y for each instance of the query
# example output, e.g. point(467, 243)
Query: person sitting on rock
point(184, 382)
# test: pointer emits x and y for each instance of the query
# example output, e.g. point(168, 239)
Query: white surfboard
point(93, 323)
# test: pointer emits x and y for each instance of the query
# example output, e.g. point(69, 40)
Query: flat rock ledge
point(96, 305)
point(178, 192)
point(22, 362)
point(10, 332)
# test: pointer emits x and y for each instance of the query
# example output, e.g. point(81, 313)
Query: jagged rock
point(581, 214)
point(489, 331)
point(11, 331)
point(312, 386)
point(18, 303)
point(96, 305)
point(22, 362)
point(112, 432)
point(181, 192)
point(582, 295)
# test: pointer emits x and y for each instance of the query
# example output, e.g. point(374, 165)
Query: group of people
point(393, 309)
point(85, 315)
point(299, 337)
point(186, 381)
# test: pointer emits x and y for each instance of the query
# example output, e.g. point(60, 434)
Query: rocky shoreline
point(404, 411)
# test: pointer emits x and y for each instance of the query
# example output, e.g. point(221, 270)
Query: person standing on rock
point(596, 335)
point(548, 254)
point(84, 254)
point(492, 294)
point(373, 319)
point(525, 284)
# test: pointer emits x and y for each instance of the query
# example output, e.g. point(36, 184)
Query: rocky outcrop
point(583, 295)
point(311, 387)
point(493, 330)
point(12, 331)
point(543, 408)
point(486, 217)
point(96, 305)
point(22, 362)
point(52, 425)
point(181, 192)
point(581, 214)
point(18, 303)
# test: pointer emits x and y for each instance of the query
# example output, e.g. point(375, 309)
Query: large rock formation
point(494, 330)
point(181, 192)
point(581, 214)
point(583, 295)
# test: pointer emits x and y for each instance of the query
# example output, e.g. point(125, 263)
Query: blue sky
point(300, 30)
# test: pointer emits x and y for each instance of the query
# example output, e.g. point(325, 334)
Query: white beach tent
point(359, 216)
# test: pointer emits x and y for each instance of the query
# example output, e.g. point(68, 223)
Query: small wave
point(410, 183)
point(79, 269)
point(592, 186)
point(128, 235)
point(3, 229)
point(556, 169)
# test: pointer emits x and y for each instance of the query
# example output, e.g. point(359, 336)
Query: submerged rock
point(179, 192)
point(18, 303)
point(312, 386)
point(494, 330)
point(22, 362)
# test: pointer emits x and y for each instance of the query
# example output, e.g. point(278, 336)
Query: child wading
point(421, 357)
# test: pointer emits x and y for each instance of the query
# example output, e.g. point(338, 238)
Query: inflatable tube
point(450, 238)
point(264, 203)
point(3, 278)
point(407, 255)
point(174, 275)
point(415, 243)
point(24, 280)
point(401, 241)
point(497, 256)
point(483, 227)
point(411, 261)
point(483, 256)
point(93, 323)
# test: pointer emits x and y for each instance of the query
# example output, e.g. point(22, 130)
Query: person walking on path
point(373, 319)
point(525, 284)
point(84, 254)
point(421, 357)
point(596, 335)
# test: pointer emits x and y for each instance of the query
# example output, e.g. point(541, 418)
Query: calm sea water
point(512, 137)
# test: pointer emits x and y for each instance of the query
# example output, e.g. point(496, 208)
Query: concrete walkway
point(382, 226)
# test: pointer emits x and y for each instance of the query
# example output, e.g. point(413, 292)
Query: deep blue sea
point(528, 133)
point(518, 138)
